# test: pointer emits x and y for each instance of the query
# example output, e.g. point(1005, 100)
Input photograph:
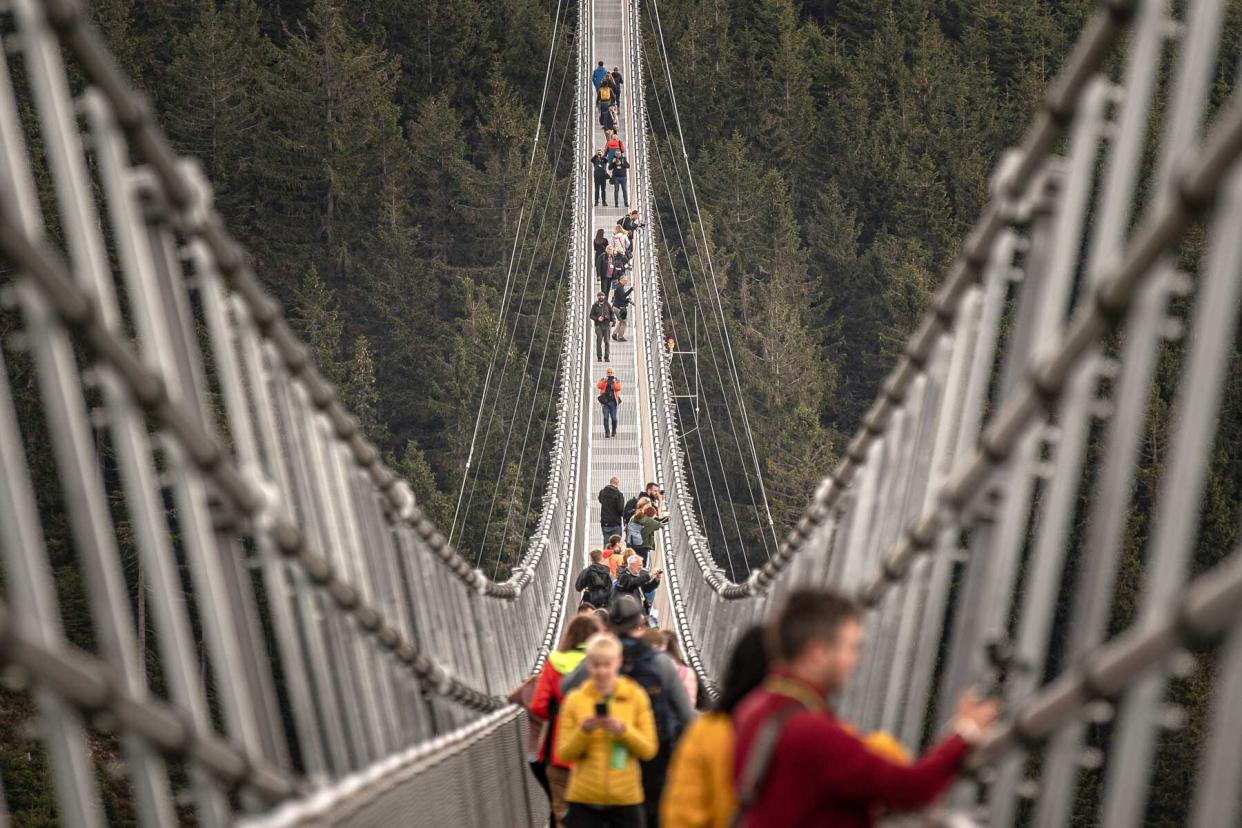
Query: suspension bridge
point(354, 665)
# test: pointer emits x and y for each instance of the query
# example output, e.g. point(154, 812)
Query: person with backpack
point(599, 166)
point(638, 582)
point(606, 729)
point(604, 318)
point(620, 177)
point(656, 673)
point(595, 582)
point(796, 763)
point(609, 397)
point(607, 95)
point(546, 703)
point(621, 296)
point(597, 77)
point(611, 504)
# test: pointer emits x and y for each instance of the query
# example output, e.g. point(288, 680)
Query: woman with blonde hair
point(605, 729)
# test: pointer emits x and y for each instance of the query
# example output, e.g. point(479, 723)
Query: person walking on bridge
point(621, 297)
point(609, 397)
point(595, 582)
point(606, 728)
point(604, 318)
point(608, 119)
point(611, 504)
point(546, 703)
point(797, 764)
point(656, 673)
point(597, 77)
point(599, 166)
point(617, 81)
point(620, 177)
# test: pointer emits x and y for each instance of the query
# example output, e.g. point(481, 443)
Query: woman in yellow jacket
point(699, 792)
point(605, 728)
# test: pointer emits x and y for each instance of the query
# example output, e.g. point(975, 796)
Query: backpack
point(598, 590)
point(634, 534)
point(638, 662)
point(605, 93)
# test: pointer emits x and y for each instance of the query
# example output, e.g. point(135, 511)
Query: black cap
point(624, 611)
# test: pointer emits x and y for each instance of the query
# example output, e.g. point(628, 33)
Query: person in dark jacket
point(620, 178)
point(617, 81)
point(621, 297)
point(600, 168)
point(608, 118)
point(611, 503)
point(595, 582)
point(638, 582)
point(603, 270)
point(604, 318)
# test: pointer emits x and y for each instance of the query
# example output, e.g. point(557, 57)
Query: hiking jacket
point(821, 773)
point(601, 264)
point(599, 775)
point(597, 77)
point(629, 583)
point(698, 791)
point(650, 527)
point(546, 703)
point(601, 315)
point(619, 166)
point(678, 704)
point(600, 164)
point(616, 386)
point(621, 299)
point(611, 503)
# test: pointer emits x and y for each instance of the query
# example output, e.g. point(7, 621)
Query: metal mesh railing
point(163, 431)
point(1051, 440)
point(459, 779)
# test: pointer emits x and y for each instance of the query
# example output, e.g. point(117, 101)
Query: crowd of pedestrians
point(616, 740)
point(624, 746)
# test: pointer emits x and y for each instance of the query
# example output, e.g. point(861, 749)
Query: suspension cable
point(725, 345)
point(715, 288)
point(547, 75)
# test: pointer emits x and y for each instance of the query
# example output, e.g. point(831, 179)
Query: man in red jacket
point(817, 771)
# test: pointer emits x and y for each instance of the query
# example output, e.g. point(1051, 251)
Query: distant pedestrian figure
point(611, 504)
point(609, 397)
point(599, 165)
point(604, 318)
point(617, 80)
point(603, 270)
point(597, 77)
point(613, 146)
point(620, 177)
point(621, 295)
point(608, 118)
